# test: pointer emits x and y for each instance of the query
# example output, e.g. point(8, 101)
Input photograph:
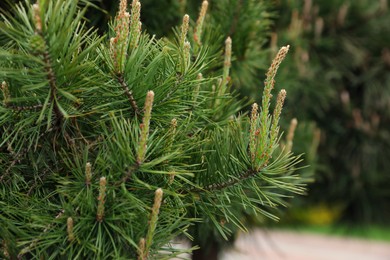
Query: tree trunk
point(211, 252)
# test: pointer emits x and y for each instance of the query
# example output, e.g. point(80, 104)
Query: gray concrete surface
point(289, 245)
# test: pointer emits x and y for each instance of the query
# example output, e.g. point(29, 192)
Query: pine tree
point(114, 145)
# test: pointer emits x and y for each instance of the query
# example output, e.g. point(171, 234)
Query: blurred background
point(337, 77)
point(339, 84)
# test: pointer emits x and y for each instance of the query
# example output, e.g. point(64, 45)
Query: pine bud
point(269, 85)
point(174, 123)
point(220, 91)
point(213, 89)
point(199, 23)
point(276, 63)
point(279, 104)
point(254, 113)
point(290, 135)
point(343, 11)
point(122, 6)
point(37, 43)
point(173, 127)
point(171, 177)
point(187, 54)
point(135, 11)
point(318, 28)
point(37, 18)
point(141, 248)
point(157, 202)
point(6, 253)
point(5, 90)
point(88, 173)
point(101, 199)
point(119, 44)
point(184, 29)
point(153, 218)
point(145, 127)
point(135, 23)
point(252, 135)
point(276, 116)
point(136, 36)
point(197, 89)
point(113, 42)
point(69, 224)
point(227, 63)
point(228, 53)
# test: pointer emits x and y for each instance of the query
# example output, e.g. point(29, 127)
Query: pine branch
point(128, 93)
point(7, 171)
point(53, 86)
point(47, 63)
point(7, 103)
point(143, 140)
point(17, 157)
point(153, 221)
point(128, 173)
point(244, 176)
point(23, 108)
point(227, 184)
point(199, 23)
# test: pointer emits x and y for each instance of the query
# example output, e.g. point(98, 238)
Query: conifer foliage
point(112, 146)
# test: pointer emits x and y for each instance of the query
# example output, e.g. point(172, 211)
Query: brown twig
point(128, 93)
point(53, 85)
point(17, 157)
point(129, 172)
point(23, 108)
point(44, 50)
point(229, 183)
point(35, 241)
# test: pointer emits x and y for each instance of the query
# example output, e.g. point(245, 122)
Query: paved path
point(289, 245)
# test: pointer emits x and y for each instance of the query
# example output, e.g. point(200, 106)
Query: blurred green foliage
point(339, 78)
